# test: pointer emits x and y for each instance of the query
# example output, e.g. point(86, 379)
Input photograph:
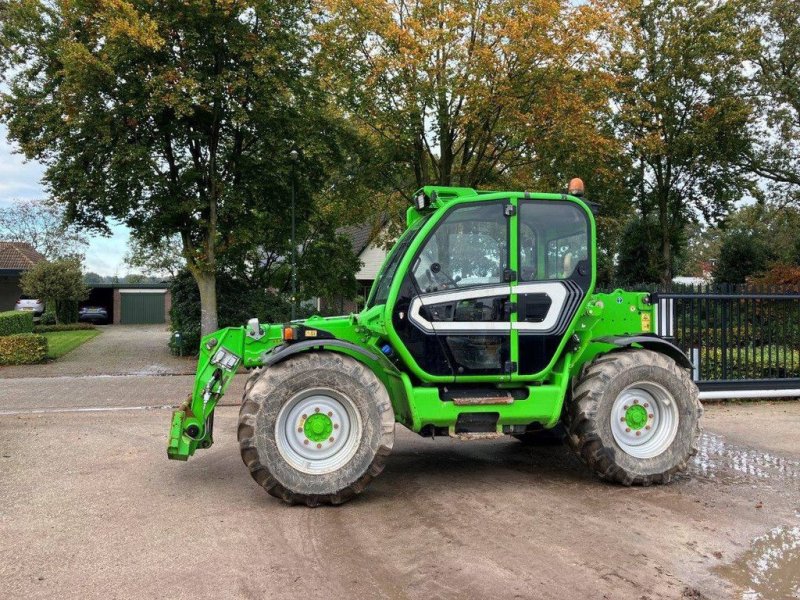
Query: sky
point(21, 180)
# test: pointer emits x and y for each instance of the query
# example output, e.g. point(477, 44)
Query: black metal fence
point(738, 337)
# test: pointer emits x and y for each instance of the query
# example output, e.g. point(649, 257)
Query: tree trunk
point(207, 284)
point(666, 252)
point(665, 225)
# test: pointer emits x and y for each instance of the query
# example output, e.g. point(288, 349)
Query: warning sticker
point(645, 321)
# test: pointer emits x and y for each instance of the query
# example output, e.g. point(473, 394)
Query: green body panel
point(415, 394)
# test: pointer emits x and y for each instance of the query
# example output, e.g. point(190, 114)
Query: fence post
point(724, 337)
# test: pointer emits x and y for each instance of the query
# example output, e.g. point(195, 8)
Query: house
point(15, 259)
point(367, 241)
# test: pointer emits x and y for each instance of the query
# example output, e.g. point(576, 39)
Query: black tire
point(251, 379)
point(544, 437)
point(589, 416)
point(278, 385)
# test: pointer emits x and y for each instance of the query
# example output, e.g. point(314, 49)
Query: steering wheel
point(437, 277)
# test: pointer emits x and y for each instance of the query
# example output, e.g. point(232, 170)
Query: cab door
point(554, 276)
point(453, 311)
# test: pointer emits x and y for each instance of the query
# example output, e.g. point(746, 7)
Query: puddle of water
point(716, 458)
point(770, 568)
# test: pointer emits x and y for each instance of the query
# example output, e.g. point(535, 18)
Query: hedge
point(63, 327)
point(22, 349)
point(750, 363)
point(16, 321)
point(781, 331)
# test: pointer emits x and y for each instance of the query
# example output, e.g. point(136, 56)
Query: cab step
point(481, 400)
point(478, 435)
point(478, 397)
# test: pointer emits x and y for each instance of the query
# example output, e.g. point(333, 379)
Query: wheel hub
point(636, 417)
point(318, 427)
point(644, 420)
point(318, 431)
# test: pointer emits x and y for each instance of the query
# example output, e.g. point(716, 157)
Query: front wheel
point(316, 428)
point(635, 417)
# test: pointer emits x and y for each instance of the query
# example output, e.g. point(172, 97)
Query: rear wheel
point(316, 428)
point(635, 417)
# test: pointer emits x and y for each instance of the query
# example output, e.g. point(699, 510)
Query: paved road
point(118, 350)
point(91, 508)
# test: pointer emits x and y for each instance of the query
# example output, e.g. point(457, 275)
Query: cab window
point(468, 248)
point(554, 239)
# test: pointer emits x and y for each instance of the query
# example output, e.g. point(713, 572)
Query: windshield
point(380, 290)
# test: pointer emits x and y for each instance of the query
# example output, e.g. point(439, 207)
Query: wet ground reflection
point(717, 459)
point(771, 568)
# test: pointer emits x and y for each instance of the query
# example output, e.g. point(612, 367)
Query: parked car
point(29, 304)
point(93, 314)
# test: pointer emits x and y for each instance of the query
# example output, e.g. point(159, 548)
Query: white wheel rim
point(312, 454)
point(644, 420)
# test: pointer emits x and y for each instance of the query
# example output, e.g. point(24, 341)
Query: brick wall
point(117, 306)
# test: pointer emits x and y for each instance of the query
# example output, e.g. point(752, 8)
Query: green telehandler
point(482, 322)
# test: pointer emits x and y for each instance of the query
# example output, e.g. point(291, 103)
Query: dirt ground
point(90, 507)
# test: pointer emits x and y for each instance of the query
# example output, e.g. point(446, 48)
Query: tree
point(775, 61)
point(55, 282)
point(174, 118)
point(742, 255)
point(92, 277)
point(43, 225)
point(636, 261)
point(472, 93)
point(773, 224)
point(162, 258)
point(682, 114)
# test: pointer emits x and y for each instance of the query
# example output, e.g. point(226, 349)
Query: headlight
point(226, 359)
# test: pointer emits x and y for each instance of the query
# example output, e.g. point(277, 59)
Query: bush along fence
point(743, 341)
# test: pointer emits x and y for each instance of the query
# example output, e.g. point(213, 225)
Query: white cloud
point(18, 178)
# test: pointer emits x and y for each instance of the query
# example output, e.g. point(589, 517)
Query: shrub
point(16, 321)
point(48, 318)
point(786, 277)
point(22, 349)
point(67, 311)
point(63, 327)
point(238, 301)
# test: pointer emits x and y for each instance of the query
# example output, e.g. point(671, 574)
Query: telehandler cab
point(483, 322)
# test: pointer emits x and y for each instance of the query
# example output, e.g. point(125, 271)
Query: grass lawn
point(61, 342)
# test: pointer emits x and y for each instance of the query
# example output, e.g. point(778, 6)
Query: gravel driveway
point(118, 350)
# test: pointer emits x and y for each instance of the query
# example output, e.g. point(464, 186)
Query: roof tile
point(18, 256)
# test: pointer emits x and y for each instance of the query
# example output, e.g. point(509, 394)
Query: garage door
point(140, 308)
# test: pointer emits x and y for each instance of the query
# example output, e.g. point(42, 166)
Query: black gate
point(738, 338)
